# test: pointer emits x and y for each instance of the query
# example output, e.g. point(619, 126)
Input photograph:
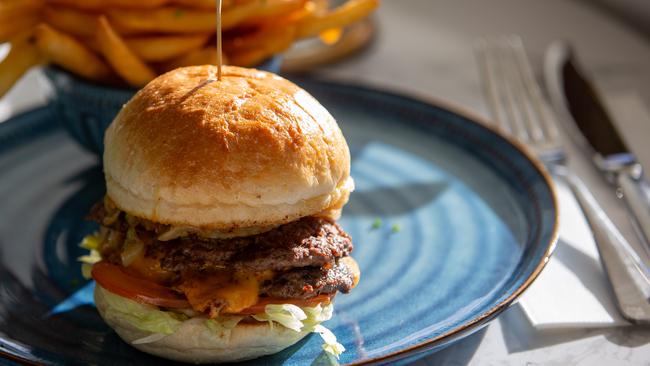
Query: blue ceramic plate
point(451, 223)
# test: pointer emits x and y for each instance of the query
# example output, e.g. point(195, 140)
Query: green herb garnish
point(376, 224)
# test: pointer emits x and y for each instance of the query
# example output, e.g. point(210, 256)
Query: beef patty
point(307, 242)
point(303, 283)
point(303, 254)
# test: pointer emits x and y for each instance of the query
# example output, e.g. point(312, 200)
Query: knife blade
point(572, 93)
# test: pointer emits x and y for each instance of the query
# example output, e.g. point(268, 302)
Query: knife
point(571, 92)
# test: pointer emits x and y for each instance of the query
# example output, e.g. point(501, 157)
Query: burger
point(217, 239)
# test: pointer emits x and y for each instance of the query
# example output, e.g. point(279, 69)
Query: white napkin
point(573, 290)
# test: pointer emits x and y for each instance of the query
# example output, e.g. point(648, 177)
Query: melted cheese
point(150, 269)
point(239, 295)
point(226, 293)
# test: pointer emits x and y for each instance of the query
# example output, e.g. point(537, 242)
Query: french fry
point(12, 27)
point(123, 60)
point(138, 37)
point(269, 9)
point(21, 57)
point(163, 20)
point(275, 34)
point(73, 21)
point(14, 9)
point(205, 4)
point(183, 20)
point(202, 56)
point(26, 36)
point(268, 46)
point(271, 38)
point(321, 6)
point(103, 4)
point(308, 9)
point(161, 48)
point(348, 13)
point(69, 53)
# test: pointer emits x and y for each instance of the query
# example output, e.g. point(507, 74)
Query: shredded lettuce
point(288, 315)
point(304, 319)
point(161, 323)
point(91, 258)
point(90, 242)
point(144, 317)
point(330, 345)
point(317, 315)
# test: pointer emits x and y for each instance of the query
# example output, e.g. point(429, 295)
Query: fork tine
point(499, 87)
point(546, 128)
point(491, 87)
point(519, 86)
point(515, 97)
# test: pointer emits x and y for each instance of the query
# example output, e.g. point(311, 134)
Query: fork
point(520, 110)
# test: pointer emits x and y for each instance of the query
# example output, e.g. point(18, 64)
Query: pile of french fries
point(132, 41)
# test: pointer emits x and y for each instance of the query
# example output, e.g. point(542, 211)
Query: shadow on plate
point(419, 194)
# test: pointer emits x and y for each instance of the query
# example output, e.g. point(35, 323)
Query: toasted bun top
point(251, 150)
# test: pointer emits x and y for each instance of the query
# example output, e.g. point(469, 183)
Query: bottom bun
point(194, 342)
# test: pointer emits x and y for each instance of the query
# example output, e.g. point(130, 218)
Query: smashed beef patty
point(303, 253)
point(307, 242)
point(303, 283)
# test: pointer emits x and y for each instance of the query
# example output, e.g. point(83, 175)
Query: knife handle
point(633, 190)
point(628, 275)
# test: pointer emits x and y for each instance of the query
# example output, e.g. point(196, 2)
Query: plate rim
point(469, 117)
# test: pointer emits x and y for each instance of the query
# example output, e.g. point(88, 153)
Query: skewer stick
point(219, 60)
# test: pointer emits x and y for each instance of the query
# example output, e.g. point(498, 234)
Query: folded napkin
point(573, 290)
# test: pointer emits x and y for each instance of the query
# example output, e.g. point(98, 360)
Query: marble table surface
point(424, 47)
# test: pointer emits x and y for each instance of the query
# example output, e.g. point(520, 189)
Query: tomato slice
point(261, 304)
point(117, 280)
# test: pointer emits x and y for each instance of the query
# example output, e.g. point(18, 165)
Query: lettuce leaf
point(317, 315)
point(90, 242)
point(304, 319)
point(288, 315)
point(160, 323)
point(144, 317)
point(330, 345)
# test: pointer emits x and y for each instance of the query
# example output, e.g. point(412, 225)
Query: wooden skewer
point(219, 60)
